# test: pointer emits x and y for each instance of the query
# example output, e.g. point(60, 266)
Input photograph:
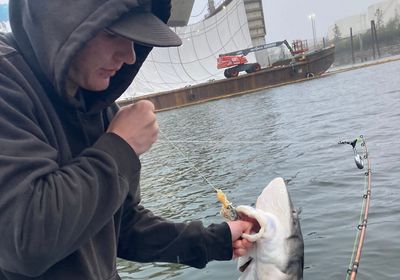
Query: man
point(69, 180)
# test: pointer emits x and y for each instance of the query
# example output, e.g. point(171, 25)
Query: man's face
point(99, 60)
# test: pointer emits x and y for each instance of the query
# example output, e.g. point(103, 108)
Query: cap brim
point(146, 29)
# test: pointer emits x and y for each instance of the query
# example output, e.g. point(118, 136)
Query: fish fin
point(243, 267)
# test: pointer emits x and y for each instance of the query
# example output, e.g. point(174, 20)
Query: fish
point(278, 249)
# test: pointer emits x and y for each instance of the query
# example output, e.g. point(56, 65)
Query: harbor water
point(239, 144)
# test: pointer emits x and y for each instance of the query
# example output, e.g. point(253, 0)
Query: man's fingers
point(242, 244)
point(241, 247)
point(144, 105)
point(246, 243)
point(239, 252)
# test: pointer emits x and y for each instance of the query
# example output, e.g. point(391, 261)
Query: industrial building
point(362, 22)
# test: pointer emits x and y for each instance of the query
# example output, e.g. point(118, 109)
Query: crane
point(236, 61)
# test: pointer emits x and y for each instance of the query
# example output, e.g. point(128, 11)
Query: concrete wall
point(180, 14)
point(256, 23)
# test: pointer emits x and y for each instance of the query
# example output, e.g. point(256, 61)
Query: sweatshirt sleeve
point(146, 238)
point(48, 211)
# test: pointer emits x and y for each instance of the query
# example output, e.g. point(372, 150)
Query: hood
point(50, 33)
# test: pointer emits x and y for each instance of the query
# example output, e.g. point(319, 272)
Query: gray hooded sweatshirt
point(69, 192)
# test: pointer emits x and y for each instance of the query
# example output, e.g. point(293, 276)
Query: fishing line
point(227, 211)
point(362, 224)
point(187, 159)
point(215, 142)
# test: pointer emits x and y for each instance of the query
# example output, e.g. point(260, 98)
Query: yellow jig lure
point(227, 210)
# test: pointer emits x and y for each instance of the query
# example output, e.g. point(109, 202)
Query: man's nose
point(126, 52)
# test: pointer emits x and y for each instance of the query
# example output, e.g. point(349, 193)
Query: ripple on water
point(241, 143)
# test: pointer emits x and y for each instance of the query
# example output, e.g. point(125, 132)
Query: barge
point(298, 68)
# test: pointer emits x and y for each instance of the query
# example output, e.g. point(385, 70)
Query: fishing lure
point(227, 210)
point(357, 158)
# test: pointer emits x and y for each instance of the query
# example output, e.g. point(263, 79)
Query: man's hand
point(241, 246)
point(137, 125)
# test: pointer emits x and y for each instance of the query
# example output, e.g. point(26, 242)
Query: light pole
point(312, 18)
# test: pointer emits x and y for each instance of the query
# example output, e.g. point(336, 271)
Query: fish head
point(278, 252)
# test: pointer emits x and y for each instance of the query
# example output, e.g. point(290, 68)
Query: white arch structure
point(196, 60)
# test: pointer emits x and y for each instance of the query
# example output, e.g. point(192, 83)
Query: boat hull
point(303, 67)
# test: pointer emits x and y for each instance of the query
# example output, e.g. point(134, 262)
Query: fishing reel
point(357, 158)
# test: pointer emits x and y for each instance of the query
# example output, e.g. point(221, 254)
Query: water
point(242, 143)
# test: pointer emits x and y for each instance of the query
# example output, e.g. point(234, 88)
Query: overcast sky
point(288, 19)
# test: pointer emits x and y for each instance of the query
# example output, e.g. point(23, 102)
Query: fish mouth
point(251, 214)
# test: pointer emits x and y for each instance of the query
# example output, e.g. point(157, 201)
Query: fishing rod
point(362, 225)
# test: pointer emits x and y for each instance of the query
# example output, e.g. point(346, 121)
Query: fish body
point(278, 251)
